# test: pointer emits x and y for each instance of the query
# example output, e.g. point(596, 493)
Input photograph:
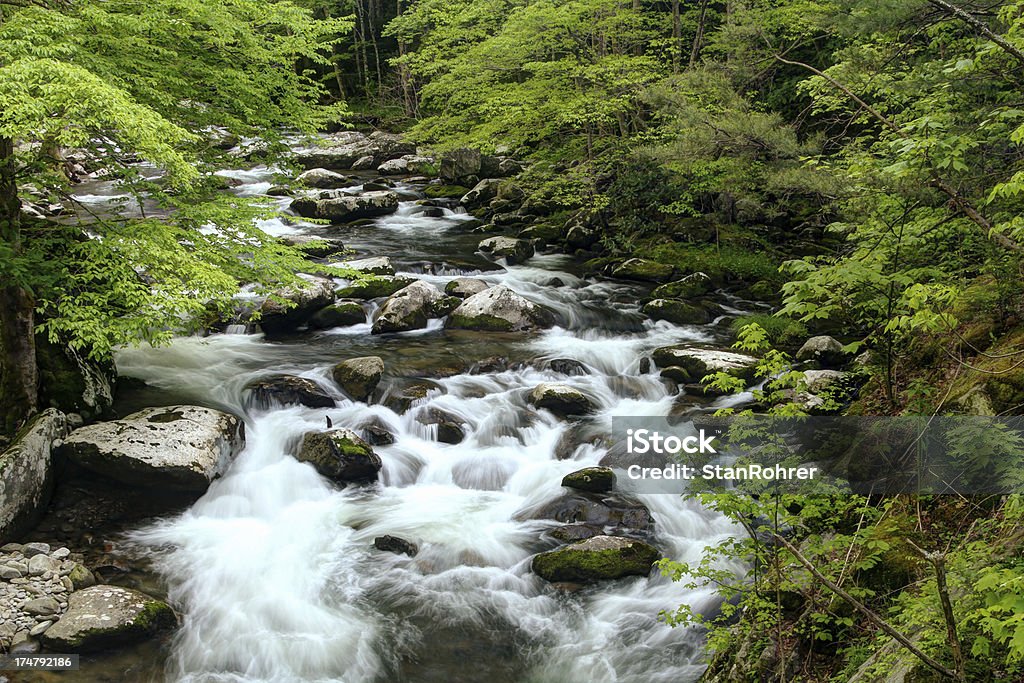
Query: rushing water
point(274, 569)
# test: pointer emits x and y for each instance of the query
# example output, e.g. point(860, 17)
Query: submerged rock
point(509, 248)
point(499, 309)
point(561, 399)
point(178, 447)
point(27, 473)
point(408, 308)
point(105, 617)
point(358, 377)
point(340, 455)
point(394, 544)
point(604, 511)
point(591, 479)
point(597, 558)
point(449, 426)
point(288, 390)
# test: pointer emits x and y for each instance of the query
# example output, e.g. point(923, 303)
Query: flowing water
point(274, 569)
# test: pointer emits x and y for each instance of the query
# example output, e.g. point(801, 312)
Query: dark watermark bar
point(29, 662)
point(876, 456)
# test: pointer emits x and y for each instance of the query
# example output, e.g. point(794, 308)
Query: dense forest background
point(858, 163)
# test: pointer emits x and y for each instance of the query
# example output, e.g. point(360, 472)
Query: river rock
point(28, 473)
point(483, 192)
point(73, 383)
point(341, 314)
point(818, 381)
point(321, 178)
point(288, 390)
point(347, 149)
point(590, 479)
point(580, 236)
point(449, 426)
point(644, 270)
point(824, 350)
point(678, 312)
point(81, 577)
point(292, 307)
point(597, 558)
point(697, 284)
point(340, 455)
point(499, 309)
point(464, 287)
point(375, 287)
point(570, 533)
point(181, 447)
point(41, 607)
point(460, 163)
point(567, 366)
point(509, 248)
point(358, 377)
point(408, 308)
point(408, 164)
point(698, 362)
point(377, 265)
point(103, 617)
point(376, 432)
point(601, 510)
point(394, 544)
point(561, 399)
point(336, 207)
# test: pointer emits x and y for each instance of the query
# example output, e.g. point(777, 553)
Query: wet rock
point(644, 270)
point(818, 381)
point(449, 426)
point(445, 191)
point(287, 390)
point(678, 312)
point(378, 265)
point(576, 435)
point(394, 544)
point(343, 208)
point(483, 192)
point(401, 398)
point(341, 314)
point(177, 447)
point(570, 533)
point(698, 362)
point(71, 382)
point(407, 165)
point(376, 287)
point(27, 473)
point(407, 309)
point(376, 433)
point(590, 479)
point(42, 607)
point(321, 178)
point(279, 191)
point(432, 212)
point(464, 287)
point(568, 366)
point(605, 511)
point(103, 617)
point(581, 236)
point(561, 399)
point(445, 305)
point(340, 455)
point(499, 309)
point(597, 558)
point(81, 577)
point(689, 287)
point(509, 248)
point(292, 307)
point(358, 377)
point(824, 350)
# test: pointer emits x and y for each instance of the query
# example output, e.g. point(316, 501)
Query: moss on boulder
point(595, 559)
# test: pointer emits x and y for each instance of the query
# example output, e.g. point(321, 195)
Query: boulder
point(376, 265)
point(567, 366)
point(643, 270)
point(27, 471)
point(483, 192)
point(407, 165)
point(394, 544)
point(698, 362)
point(341, 314)
point(408, 308)
point(678, 312)
point(561, 399)
point(445, 191)
point(364, 163)
point(288, 390)
point(375, 287)
point(340, 455)
point(349, 149)
point(449, 426)
point(104, 617)
point(590, 479)
point(824, 350)
point(601, 510)
point(335, 207)
point(71, 382)
point(323, 179)
point(818, 381)
point(315, 246)
point(509, 248)
point(597, 558)
point(358, 377)
point(570, 533)
point(181, 448)
point(581, 236)
point(460, 163)
point(464, 287)
point(499, 309)
point(689, 287)
point(292, 307)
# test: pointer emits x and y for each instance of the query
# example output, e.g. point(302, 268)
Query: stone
point(104, 617)
point(377, 265)
point(499, 309)
point(394, 544)
point(80, 577)
point(39, 628)
point(180, 448)
point(591, 479)
point(445, 191)
point(376, 433)
point(678, 312)
point(567, 366)
point(698, 362)
point(288, 390)
point(464, 287)
point(449, 426)
point(483, 192)
point(824, 350)
point(341, 314)
point(291, 307)
point(71, 382)
point(600, 510)
point(44, 606)
point(40, 564)
point(561, 399)
point(33, 549)
point(460, 163)
point(597, 558)
point(408, 308)
point(407, 165)
point(358, 377)
point(375, 287)
point(570, 533)
point(643, 270)
point(689, 287)
point(8, 573)
point(28, 473)
point(337, 207)
point(509, 248)
point(340, 455)
point(60, 553)
point(818, 381)
point(321, 178)
point(580, 236)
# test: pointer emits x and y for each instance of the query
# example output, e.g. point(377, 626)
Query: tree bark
point(968, 18)
point(19, 378)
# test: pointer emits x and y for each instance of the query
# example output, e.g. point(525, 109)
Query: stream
point(274, 569)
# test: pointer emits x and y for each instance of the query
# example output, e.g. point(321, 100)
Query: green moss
point(683, 289)
point(445, 191)
point(373, 287)
point(484, 323)
point(575, 564)
point(724, 265)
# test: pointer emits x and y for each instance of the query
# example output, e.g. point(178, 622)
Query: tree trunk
point(19, 378)
point(698, 38)
point(677, 37)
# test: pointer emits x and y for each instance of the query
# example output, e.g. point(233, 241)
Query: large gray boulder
point(27, 474)
point(823, 350)
point(292, 307)
point(409, 164)
point(346, 149)
point(509, 248)
point(460, 163)
point(408, 308)
point(561, 399)
point(181, 448)
point(597, 558)
point(482, 192)
point(464, 287)
point(340, 455)
point(499, 309)
point(696, 362)
point(358, 377)
point(336, 207)
point(105, 617)
point(321, 178)
point(375, 265)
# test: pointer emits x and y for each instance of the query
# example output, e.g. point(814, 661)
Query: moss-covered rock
point(407, 309)
point(103, 617)
point(341, 314)
point(687, 288)
point(358, 377)
point(374, 287)
point(445, 191)
point(823, 350)
point(340, 455)
point(592, 479)
point(678, 312)
point(509, 248)
point(644, 270)
point(561, 399)
point(71, 382)
point(597, 558)
point(499, 309)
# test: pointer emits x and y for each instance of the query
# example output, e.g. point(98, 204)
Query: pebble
point(9, 573)
point(33, 549)
point(40, 564)
point(60, 553)
point(39, 628)
point(41, 606)
point(34, 589)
